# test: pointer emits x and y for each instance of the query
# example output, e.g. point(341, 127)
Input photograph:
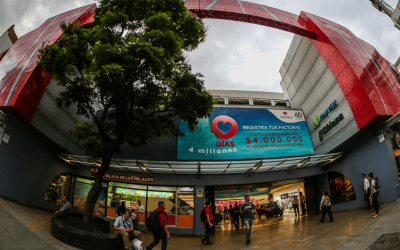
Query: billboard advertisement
point(235, 133)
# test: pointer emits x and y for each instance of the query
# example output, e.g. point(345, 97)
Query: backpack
point(326, 201)
point(377, 183)
point(203, 216)
point(152, 221)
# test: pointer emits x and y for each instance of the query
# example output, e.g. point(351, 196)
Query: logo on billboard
point(285, 113)
point(298, 115)
point(224, 120)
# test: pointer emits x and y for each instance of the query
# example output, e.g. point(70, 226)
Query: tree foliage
point(132, 66)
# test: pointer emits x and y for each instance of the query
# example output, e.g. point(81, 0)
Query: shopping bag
point(137, 244)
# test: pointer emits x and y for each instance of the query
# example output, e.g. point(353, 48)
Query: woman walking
point(326, 206)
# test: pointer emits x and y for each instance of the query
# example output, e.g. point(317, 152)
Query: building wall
point(55, 122)
point(312, 87)
point(28, 163)
point(248, 94)
point(365, 154)
point(5, 42)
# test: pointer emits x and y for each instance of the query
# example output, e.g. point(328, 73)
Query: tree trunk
point(96, 189)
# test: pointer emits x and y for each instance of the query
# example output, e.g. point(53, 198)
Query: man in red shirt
point(208, 224)
point(162, 234)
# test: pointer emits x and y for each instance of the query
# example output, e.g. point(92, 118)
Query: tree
point(133, 66)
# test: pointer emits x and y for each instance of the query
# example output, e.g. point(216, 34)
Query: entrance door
point(310, 197)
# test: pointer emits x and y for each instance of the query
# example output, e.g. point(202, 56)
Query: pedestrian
point(66, 206)
point(326, 206)
point(208, 224)
point(225, 212)
point(247, 210)
point(229, 214)
point(303, 204)
point(162, 233)
point(121, 209)
point(235, 215)
point(367, 190)
point(295, 204)
point(374, 194)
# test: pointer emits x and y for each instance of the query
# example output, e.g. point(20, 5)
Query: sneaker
point(204, 241)
point(209, 243)
point(376, 215)
point(247, 242)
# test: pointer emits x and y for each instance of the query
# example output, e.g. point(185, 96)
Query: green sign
point(325, 114)
point(329, 126)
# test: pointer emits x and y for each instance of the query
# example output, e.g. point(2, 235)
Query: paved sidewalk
point(23, 227)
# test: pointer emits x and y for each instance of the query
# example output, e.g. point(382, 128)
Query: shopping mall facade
point(335, 120)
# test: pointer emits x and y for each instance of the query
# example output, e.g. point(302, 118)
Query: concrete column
point(198, 207)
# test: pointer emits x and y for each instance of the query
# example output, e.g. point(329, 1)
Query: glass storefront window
point(168, 196)
point(140, 199)
point(82, 188)
point(58, 187)
point(132, 195)
point(341, 189)
point(185, 207)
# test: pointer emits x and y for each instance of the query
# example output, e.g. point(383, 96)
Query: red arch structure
point(366, 78)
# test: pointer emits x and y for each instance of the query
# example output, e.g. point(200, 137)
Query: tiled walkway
point(23, 227)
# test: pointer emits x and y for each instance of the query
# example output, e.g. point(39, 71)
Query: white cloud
point(239, 55)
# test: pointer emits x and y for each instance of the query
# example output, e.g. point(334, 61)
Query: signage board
point(142, 193)
point(284, 196)
point(237, 133)
point(126, 177)
point(240, 193)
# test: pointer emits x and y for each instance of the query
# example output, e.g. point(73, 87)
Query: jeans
point(296, 208)
point(235, 222)
point(209, 231)
point(61, 214)
point(375, 202)
point(326, 209)
point(303, 208)
point(159, 235)
point(249, 225)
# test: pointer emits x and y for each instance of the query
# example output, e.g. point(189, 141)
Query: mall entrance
point(264, 196)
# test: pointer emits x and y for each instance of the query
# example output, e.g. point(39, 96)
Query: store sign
point(284, 196)
point(329, 126)
point(325, 114)
point(142, 193)
point(240, 193)
point(126, 177)
point(232, 133)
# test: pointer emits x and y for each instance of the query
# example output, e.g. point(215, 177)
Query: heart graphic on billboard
point(224, 119)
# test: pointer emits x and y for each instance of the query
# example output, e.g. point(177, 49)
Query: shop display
point(58, 187)
point(142, 193)
point(340, 188)
point(82, 188)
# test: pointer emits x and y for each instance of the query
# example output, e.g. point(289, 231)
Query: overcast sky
point(239, 56)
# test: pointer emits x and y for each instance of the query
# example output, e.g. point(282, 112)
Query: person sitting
point(66, 206)
point(124, 227)
point(276, 208)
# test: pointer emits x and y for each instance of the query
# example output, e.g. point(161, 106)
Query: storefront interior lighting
point(207, 167)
